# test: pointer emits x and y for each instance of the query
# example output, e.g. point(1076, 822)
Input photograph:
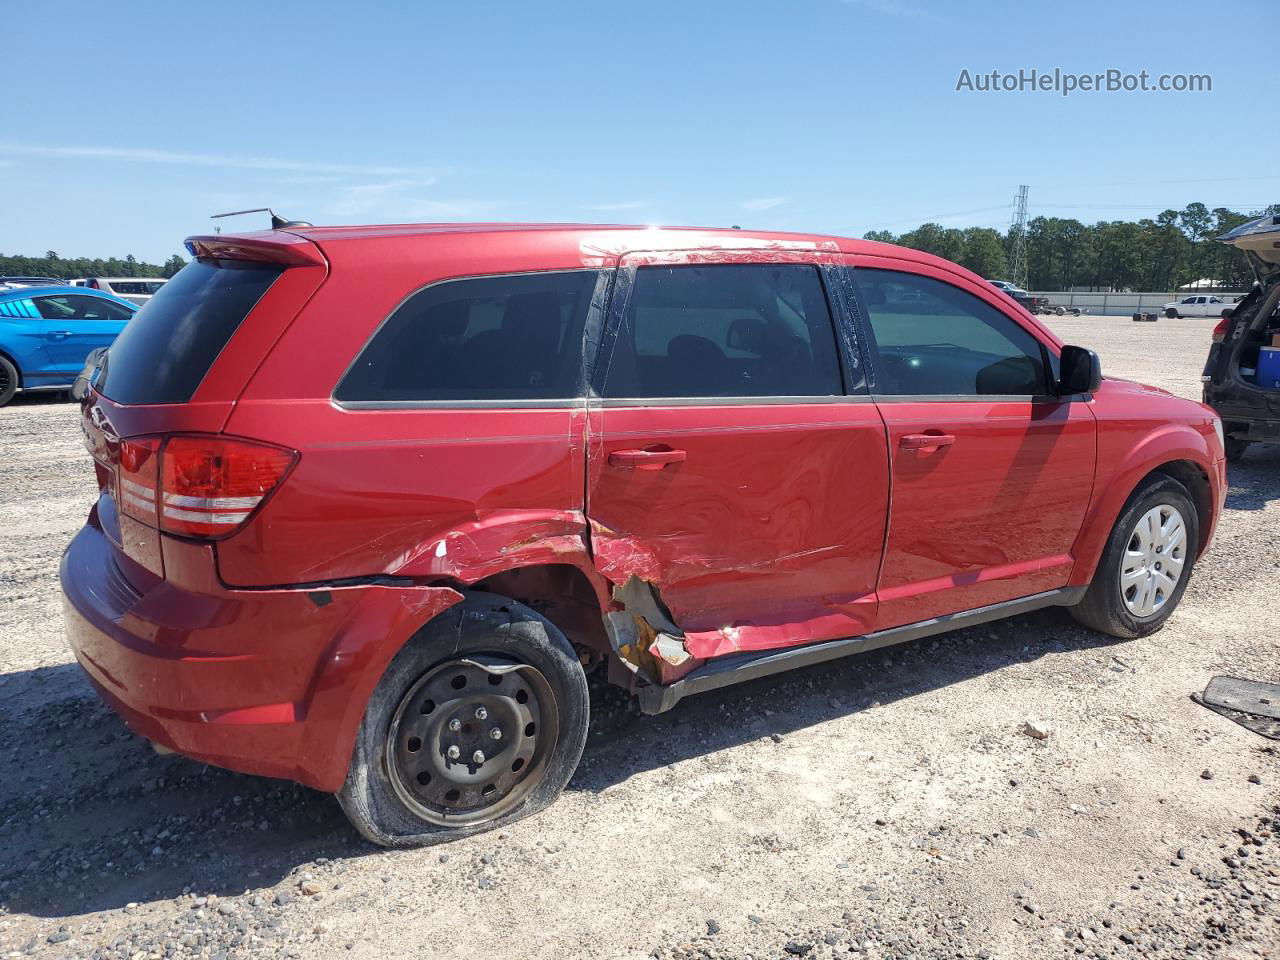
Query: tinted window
point(488, 338)
point(934, 339)
point(753, 330)
point(136, 287)
point(171, 343)
point(81, 308)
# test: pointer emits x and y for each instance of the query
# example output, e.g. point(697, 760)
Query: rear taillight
point(1220, 329)
point(197, 486)
point(136, 479)
point(210, 485)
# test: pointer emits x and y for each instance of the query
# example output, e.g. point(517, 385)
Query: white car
point(134, 289)
point(1200, 305)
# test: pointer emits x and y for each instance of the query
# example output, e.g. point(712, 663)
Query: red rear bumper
point(268, 682)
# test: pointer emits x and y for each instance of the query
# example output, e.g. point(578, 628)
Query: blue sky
point(124, 133)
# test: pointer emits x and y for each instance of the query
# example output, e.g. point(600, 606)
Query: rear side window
point(727, 330)
point(516, 337)
point(170, 344)
point(932, 338)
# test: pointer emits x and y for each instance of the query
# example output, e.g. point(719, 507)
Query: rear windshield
point(143, 287)
point(171, 342)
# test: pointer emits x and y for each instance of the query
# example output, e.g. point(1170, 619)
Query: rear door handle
point(926, 442)
point(650, 458)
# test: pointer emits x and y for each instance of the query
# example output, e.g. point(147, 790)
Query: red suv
point(375, 500)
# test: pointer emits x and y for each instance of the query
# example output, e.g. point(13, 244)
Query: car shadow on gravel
point(624, 743)
point(94, 819)
point(1254, 481)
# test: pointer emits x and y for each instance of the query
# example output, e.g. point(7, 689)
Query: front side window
point(81, 308)
point(725, 330)
point(934, 339)
point(516, 337)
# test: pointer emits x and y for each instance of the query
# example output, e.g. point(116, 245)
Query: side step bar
point(741, 667)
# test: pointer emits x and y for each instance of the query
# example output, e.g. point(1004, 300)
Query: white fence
point(1116, 304)
point(1112, 304)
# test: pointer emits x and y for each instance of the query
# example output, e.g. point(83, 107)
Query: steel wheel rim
point(1153, 561)
point(443, 758)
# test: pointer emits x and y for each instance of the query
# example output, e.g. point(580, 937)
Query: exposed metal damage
point(645, 640)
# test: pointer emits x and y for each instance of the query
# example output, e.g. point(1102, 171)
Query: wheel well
point(1196, 481)
point(561, 593)
point(15, 365)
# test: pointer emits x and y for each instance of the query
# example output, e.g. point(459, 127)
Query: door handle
point(928, 442)
point(650, 458)
point(58, 334)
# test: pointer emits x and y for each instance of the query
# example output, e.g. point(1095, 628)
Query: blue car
point(46, 333)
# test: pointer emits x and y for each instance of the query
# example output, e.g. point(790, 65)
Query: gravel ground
point(887, 806)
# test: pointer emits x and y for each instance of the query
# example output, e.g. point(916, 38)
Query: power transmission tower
point(1018, 239)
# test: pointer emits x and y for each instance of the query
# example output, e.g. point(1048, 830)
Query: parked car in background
point(134, 289)
point(47, 332)
point(1199, 305)
point(8, 283)
point(1028, 302)
point(361, 526)
point(1242, 373)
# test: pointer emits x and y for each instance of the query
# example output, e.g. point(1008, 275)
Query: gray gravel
point(892, 805)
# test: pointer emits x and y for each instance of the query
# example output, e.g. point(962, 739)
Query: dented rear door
point(735, 462)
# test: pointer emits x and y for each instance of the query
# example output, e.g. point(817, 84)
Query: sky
point(128, 125)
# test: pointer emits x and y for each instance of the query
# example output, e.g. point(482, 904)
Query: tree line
point(1176, 248)
point(62, 268)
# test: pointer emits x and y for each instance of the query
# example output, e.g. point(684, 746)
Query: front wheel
point(479, 721)
point(1171, 313)
point(1146, 563)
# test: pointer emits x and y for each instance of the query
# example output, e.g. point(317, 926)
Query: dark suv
point(1242, 375)
point(375, 500)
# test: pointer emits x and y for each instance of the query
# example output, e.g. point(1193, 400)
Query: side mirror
point(1081, 371)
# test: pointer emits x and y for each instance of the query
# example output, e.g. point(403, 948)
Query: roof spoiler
point(274, 247)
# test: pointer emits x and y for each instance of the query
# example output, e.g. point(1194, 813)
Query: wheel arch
point(1171, 453)
point(571, 598)
point(8, 355)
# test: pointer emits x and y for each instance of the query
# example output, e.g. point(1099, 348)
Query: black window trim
point(860, 317)
point(595, 309)
point(848, 357)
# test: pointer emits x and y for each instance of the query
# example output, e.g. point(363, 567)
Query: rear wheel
point(1146, 563)
point(1171, 313)
point(1235, 448)
point(480, 720)
point(8, 381)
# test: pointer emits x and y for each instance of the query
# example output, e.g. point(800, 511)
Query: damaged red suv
point(374, 500)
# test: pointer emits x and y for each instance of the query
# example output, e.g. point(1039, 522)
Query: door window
point(725, 330)
point(934, 339)
point(81, 308)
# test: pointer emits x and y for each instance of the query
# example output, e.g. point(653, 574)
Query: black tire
point(1235, 449)
point(9, 380)
point(494, 630)
point(1171, 313)
point(1103, 607)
